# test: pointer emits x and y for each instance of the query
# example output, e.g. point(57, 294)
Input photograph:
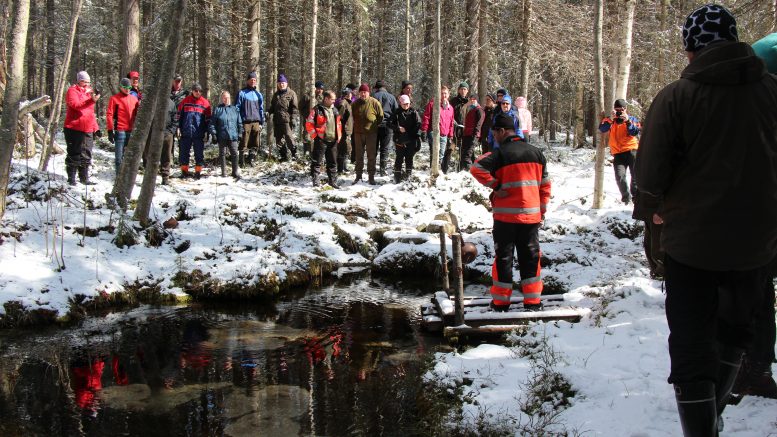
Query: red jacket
point(124, 107)
point(446, 119)
point(80, 110)
point(316, 123)
point(473, 122)
point(519, 169)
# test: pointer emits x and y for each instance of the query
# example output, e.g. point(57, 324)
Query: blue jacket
point(193, 116)
point(226, 123)
point(250, 103)
point(388, 102)
point(491, 141)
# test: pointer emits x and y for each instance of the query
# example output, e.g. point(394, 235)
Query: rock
point(170, 223)
point(443, 222)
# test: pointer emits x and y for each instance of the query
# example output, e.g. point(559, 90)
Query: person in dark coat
point(406, 123)
point(171, 128)
point(385, 133)
point(489, 108)
point(283, 107)
point(226, 128)
point(193, 117)
point(344, 146)
point(708, 152)
point(473, 124)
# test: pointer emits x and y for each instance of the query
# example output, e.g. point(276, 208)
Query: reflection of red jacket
point(86, 382)
point(80, 110)
point(124, 107)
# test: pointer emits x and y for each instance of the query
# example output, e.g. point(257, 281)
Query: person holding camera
point(80, 126)
point(623, 129)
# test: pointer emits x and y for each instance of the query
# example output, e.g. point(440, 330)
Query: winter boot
point(83, 176)
point(235, 171)
point(383, 165)
point(358, 179)
point(197, 171)
point(340, 165)
point(241, 160)
point(397, 176)
point(165, 180)
point(499, 308)
point(184, 171)
point(728, 367)
point(332, 181)
point(223, 165)
point(251, 159)
point(372, 180)
point(760, 381)
point(314, 176)
point(532, 306)
point(697, 408)
point(71, 175)
point(407, 174)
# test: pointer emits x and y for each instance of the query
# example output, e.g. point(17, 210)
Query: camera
point(618, 117)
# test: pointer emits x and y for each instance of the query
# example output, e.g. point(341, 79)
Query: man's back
point(709, 147)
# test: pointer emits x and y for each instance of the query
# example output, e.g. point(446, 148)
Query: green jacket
point(367, 115)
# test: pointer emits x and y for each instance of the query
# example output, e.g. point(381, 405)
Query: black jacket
point(410, 120)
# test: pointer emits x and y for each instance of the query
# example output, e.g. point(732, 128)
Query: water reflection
point(338, 361)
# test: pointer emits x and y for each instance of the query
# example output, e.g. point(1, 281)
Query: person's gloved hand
point(111, 137)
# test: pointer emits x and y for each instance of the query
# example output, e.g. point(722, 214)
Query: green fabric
point(766, 49)
point(330, 134)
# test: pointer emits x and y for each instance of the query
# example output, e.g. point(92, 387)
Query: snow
point(272, 221)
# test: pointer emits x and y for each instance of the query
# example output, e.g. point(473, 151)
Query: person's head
point(379, 85)
point(503, 126)
point(490, 100)
point(226, 98)
point(445, 93)
point(500, 93)
point(329, 98)
point(473, 99)
point(505, 104)
point(520, 102)
point(196, 89)
point(407, 88)
point(463, 89)
point(319, 87)
point(364, 91)
point(619, 105)
point(404, 101)
point(251, 79)
point(125, 85)
point(82, 79)
point(282, 82)
point(134, 77)
point(177, 80)
point(346, 93)
point(766, 49)
point(706, 25)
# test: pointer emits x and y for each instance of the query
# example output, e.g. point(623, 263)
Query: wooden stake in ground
point(458, 273)
point(13, 93)
point(444, 262)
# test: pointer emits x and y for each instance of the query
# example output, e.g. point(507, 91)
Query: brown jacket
point(344, 108)
point(283, 106)
point(709, 152)
point(367, 115)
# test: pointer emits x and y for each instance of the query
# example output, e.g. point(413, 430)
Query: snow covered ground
point(273, 221)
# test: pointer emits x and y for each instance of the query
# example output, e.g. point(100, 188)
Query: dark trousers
point(185, 144)
point(484, 147)
point(404, 155)
point(225, 145)
point(762, 349)
point(622, 162)
point(707, 308)
point(385, 141)
point(323, 150)
point(343, 152)
point(250, 139)
point(654, 252)
point(523, 239)
point(167, 154)
point(79, 149)
point(467, 153)
point(283, 135)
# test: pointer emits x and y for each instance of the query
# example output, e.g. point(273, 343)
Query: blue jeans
point(120, 139)
point(443, 144)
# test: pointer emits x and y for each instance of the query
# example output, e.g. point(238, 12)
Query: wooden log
point(444, 262)
point(33, 105)
point(459, 278)
point(461, 334)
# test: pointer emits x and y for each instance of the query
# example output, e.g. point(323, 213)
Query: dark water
point(342, 360)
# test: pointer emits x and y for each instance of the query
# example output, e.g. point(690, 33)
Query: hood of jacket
point(725, 63)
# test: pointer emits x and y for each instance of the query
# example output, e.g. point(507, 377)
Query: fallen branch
point(33, 105)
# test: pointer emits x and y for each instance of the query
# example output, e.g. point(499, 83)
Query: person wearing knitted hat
point(706, 159)
point(755, 377)
point(283, 107)
point(306, 105)
point(134, 78)
point(120, 119)
point(367, 116)
point(250, 104)
point(460, 103)
point(504, 106)
point(80, 126)
point(385, 133)
point(489, 110)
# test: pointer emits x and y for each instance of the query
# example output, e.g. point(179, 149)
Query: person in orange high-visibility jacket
point(324, 127)
point(517, 173)
point(623, 129)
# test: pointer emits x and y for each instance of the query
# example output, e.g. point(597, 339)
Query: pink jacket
point(524, 115)
point(446, 119)
point(80, 110)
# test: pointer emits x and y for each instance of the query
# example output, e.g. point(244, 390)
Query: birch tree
point(599, 98)
point(435, 119)
point(13, 93)
point(624, 60)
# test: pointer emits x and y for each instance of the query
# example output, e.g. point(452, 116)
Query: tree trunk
point(203, 48)
point(599, 80)
point(664, 11)
point(13, 93)
point(164, 72)
point(51, 128)
point(435, 146)
point(624, 61)
point(407, 40)
point(552, 127)
point(523, 87)
point(256, 31)
point(473, 38)
point(309, 86)
point(51, 53)
point(130, 43)
point(483, 50)
point(579, 114)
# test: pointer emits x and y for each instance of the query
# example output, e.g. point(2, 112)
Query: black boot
point(340, 165)
point(235, 171)
point(83, 176)
point(383, 168)
point(71, 175)
point(332, 181)
point(697, 408)
point(358, 178)
point(728, 366)
point(251, 159)
point(397, 176)
point(241, 159)
point(314, 176)
point(372, 180)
